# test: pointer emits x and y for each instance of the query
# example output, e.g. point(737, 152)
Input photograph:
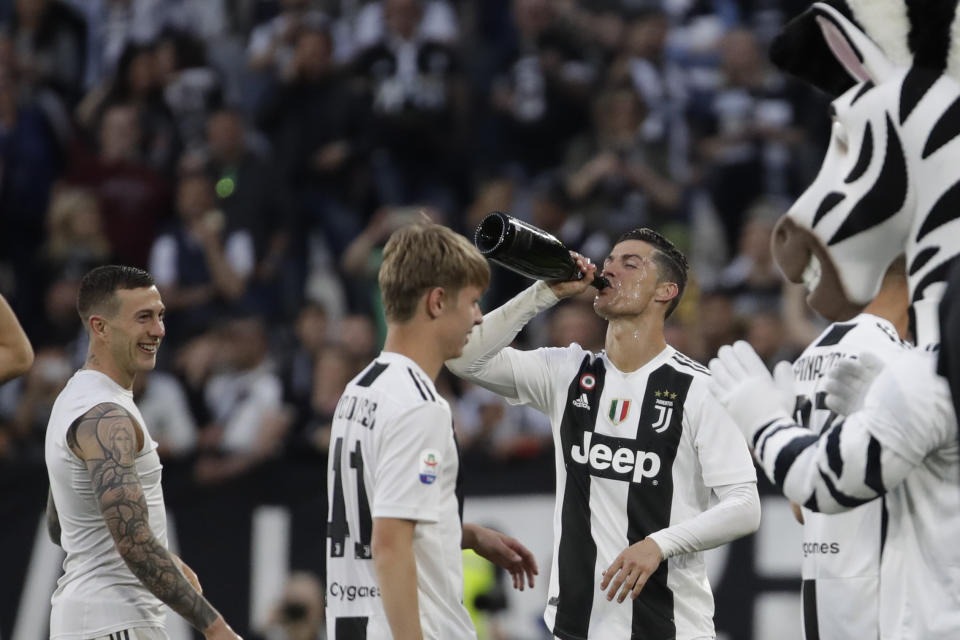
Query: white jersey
point(97, 594)
point(635, 453)
point(393, 455)
point(841, 552)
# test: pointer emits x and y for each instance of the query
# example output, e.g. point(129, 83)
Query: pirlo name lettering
point(360, 410)
point(623, 463)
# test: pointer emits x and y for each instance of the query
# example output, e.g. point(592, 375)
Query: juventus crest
point(664, 407)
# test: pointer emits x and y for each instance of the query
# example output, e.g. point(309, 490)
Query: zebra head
point(890, 180)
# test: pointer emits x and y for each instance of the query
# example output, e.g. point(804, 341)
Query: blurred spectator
point(767, 335)
point(719, 324)
point(438, 22)
point(317, 124)
point(662, 85)
point(272, 43)
point(51, 370)
point(245, 403)
point(133, 197)
point(540, 92)
point(163, 403)
point(577, 322)
point(300, 612)
point(311, 328)
point(415, 91)
point(752, 277)
point(50, 40)
point(619, 180)
point(357, 334)
point(253, 197)
point(201, 265)
point(333, 368)
point(192, 89)
point(136, 82)
point(31, 158)
point(746, 129)
point(490, 427)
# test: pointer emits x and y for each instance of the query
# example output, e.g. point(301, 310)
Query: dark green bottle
point(527, 250)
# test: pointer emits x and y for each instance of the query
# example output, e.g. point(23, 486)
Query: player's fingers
point(721, 379)
point(627, 586)
point(639, 584)
point(610, 573)
point(748, 358)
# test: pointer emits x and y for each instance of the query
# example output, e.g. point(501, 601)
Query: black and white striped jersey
point(635, 453)
point(903, 443)
point(841, 552)
point(393, 455)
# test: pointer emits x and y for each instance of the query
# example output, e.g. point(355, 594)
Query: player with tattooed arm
point(105, 506)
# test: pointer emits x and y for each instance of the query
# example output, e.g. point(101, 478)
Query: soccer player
point(650, 468)
point(106, 504)
point(841, 552)
point(394, 567)
point(16, 354)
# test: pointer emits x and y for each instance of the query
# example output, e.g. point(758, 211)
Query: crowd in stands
point(254, 155)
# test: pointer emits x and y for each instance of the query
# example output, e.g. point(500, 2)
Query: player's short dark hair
point(98, 286)
point(672, 265)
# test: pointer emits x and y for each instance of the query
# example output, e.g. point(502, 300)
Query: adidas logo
point(581, 402)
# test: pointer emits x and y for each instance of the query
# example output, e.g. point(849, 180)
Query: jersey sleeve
point(537, 374)
point(401, 487)
point(723, 453)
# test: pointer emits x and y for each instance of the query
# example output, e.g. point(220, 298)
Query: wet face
point(633, 280)
point(459, 319)
point(135, 330)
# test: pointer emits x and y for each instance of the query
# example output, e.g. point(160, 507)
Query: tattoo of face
point(124, 507)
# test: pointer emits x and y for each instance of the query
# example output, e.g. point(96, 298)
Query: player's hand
point(631, 570)
point(188, 573)
point(506, 552)
point(849, 380)
point(566, 289)
point(743, 385)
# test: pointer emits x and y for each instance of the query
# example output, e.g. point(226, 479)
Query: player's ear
point(435, 301)
point(97, 325)
point(666, 291)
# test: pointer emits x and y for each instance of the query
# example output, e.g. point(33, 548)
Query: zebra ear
point(852, 48)
point(826, 48)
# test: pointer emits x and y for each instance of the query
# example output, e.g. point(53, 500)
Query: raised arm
point(16, 354)
point(107, 439)
point(854, 459)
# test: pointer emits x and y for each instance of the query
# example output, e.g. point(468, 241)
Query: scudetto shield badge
point(619, 410)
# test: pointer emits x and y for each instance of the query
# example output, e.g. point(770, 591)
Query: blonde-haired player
point(394, 567)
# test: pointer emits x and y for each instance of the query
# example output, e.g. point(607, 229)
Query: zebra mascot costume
point(889, 185)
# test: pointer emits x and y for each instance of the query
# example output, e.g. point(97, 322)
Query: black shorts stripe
point(416, 383)
point(577, 550)
point(649, 506)
point(373, 372)
point(811, 628)
point(350, 628)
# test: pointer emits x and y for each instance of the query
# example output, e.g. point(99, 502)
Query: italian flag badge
point(619, 408)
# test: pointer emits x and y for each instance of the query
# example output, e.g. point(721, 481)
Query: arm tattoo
point(124, 508)
point(53, 520)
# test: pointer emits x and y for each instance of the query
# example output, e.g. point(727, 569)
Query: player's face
point(461, 317)
point(632, 273)
point(137, 329)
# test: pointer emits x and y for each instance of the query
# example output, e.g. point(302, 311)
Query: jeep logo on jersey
point(619, 408)
point(663, 404)
point(614, 458)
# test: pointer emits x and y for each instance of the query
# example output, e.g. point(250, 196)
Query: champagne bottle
point(527, 250)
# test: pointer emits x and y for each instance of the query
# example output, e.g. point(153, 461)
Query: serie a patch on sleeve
point(429, 465)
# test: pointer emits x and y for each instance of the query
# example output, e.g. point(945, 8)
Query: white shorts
point(137, 633)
